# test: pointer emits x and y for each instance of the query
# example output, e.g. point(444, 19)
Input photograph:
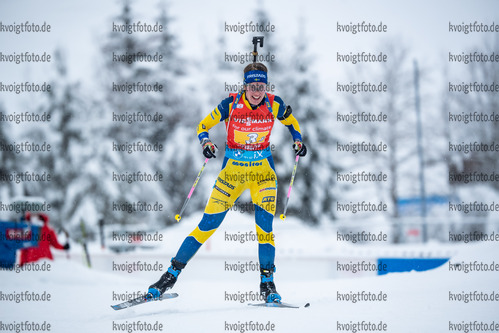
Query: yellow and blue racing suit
point(247, 164)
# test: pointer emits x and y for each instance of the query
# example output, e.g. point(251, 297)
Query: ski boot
point(267, 286)
point(166, 281)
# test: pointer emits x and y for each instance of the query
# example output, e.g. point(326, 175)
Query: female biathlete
point(249, 117)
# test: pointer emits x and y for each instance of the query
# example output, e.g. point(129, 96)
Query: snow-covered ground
point(213, 297)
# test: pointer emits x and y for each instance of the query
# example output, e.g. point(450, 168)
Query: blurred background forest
point(82, 131)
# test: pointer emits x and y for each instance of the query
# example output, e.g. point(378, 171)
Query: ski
point(142, 300)
point(279, 305)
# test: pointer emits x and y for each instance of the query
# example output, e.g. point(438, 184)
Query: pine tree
point(119, 67)
point(313, 191)
point(64, 133)
point(180, 106)
point(271, 44)
point(8, 161)
point(486, 103)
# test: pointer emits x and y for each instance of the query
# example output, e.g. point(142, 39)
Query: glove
point(300, 148)
point(208, 148)
point(66, 246)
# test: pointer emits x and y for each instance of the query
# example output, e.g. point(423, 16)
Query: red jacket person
point(48, 238)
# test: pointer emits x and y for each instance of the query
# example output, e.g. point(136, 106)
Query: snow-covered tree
point(8, 161)
point(65, 134)
point(314, 187)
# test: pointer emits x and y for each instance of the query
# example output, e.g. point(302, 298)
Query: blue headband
point(255, 76)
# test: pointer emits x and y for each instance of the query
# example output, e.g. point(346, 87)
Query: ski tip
point(307, 305)
point(283, 217)
point(177, 218)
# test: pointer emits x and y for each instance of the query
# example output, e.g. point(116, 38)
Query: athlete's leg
point(224, 194)
point(263, 194)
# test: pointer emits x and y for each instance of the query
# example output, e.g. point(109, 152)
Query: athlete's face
point(255, 92)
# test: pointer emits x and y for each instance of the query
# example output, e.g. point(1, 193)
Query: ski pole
point(283, 215)
point(179, 216)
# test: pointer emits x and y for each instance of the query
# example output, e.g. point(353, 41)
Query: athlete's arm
point(220, 113)
point(285, 116)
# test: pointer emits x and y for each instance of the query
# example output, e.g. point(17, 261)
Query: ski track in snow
point(416, 301)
